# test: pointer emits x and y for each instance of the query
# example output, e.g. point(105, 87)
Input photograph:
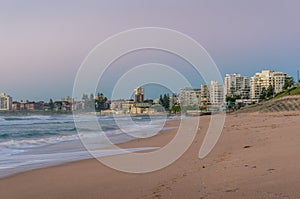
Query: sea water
point(29, 142)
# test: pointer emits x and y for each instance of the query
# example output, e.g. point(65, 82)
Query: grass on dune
point(291, 91)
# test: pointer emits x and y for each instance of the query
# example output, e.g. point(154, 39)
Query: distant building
point(216, 93)
point(236, 85)
point(5, 102)
point(156, 109)
point(117, 105)
point(121, 106)
point(65, 106)
point(139, 95)
point(16, 106)
point(172, 101)
point(189, 97)
point(204, 95)
point(260, 81)
point(78, 105)
point(126, 107)
point(156, 101)
point(68, 99)
point(265, 79)
point(28, 106)
point(280, 79)
point(140, 108)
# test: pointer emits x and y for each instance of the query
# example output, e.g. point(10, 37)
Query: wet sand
point(257, 156)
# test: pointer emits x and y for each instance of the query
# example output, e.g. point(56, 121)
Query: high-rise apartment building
point(5, 102)
point(279, 81)
point(265, 79)
point(205, 95)
point(189, 96)
point(139, 95)
point(236, 85)
point(216, 93)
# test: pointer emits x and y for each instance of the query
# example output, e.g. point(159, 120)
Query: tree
point(160, 100)
point(166, 101)
point(51, 105)
point(176, 108)
point(270, 91)
point(263, 94)
point(289, 82)
point(100, 102)
point(58, 105)
point(230, 99)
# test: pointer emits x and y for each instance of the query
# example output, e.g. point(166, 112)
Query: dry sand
point(257, 156)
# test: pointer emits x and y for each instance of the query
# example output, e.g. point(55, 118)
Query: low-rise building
point(140, 108)
point(28, 106)
point(117, 104)
point(64, 106)
point(16, 106)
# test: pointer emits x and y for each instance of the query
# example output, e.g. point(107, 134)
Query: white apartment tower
point(279, 81)
point(5, 102)
point(216, 93)
point(189, 96)
point(236, 85)
point(265, 79)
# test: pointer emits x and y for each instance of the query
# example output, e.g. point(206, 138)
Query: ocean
point(30, 142)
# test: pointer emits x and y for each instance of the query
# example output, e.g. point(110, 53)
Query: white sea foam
point(36, 141)
point(14, 164)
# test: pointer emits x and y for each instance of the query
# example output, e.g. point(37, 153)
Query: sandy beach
point(257, 156)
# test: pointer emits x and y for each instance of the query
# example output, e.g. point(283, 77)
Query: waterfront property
point(267, 79)
point(236, 91)
point(139, 95)
point(216, 93)
point(236, 85)
point(189, 97)
point(5, 102)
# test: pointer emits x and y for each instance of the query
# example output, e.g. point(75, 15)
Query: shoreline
point(32, 113)
point(58, 113)
point(251, 160)
point(81, 150)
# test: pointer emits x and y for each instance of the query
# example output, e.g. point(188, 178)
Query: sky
point(43, 43)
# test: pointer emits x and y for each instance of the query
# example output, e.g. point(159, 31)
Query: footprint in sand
point(271, 170)
point(232, 190)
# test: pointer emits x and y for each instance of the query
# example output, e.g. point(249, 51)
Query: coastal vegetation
point(290, 91)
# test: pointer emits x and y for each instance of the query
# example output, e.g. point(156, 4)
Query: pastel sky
point(43, 43)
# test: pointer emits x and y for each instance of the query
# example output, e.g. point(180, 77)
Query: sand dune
point(283, 104)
